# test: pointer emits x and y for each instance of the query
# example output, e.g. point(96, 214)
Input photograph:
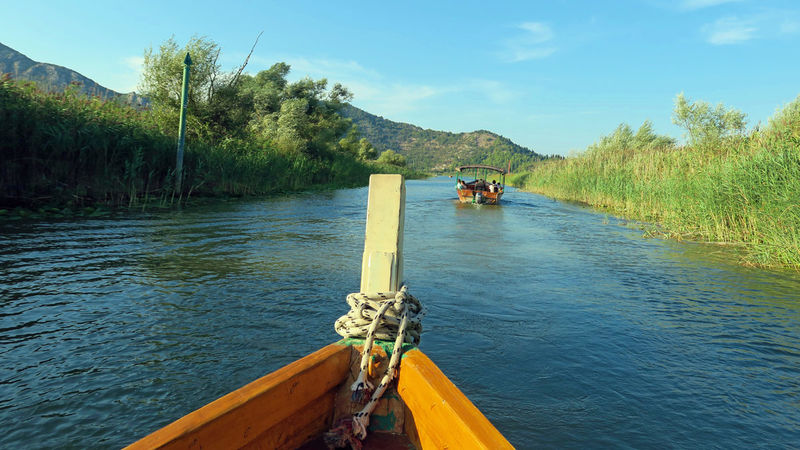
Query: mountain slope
point(438, 150)
point(53, 78)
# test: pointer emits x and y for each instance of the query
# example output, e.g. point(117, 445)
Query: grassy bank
point(742, 189)
point(68, 150)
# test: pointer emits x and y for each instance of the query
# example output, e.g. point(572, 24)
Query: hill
point(424, 149)
point(53, 78)
point(439, 151)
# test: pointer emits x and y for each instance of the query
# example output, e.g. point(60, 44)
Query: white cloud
point(392, 99)
point(539, 32)
point(380, 94)
point(533, 43)
point(495, 91)
point(329, 68)
point(769, 24)
point(730, 30)
point(127, 78)
point(370, 88)
point(524, 54)
point(700, 4)
point(398, 99)
point(789, 27)
point(134, 62)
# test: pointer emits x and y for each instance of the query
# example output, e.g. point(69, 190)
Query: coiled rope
point(385, 316)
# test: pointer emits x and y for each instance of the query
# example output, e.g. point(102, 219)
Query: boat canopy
point(481, 166)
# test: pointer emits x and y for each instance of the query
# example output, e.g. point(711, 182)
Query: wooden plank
point(382, 263)
point(443, 416)
point(241, 416)
point(298, 429)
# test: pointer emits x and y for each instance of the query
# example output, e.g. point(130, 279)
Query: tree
point(217, 106)
point(294, 117)
point(293, 130)
point(162, 73)
point(707, 125)
point(392, 158)
point(367, 151)
point(300, 116)
point(359, 147)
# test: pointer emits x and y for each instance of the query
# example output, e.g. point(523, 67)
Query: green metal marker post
point(182, 130)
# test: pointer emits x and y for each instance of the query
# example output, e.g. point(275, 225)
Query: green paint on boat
point(387, 346)
point(382, 423)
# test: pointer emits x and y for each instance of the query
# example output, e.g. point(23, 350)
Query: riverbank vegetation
point(246, 135)
point(725, 185)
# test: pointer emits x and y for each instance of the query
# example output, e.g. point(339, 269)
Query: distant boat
point(480, 190)
point(312, 402)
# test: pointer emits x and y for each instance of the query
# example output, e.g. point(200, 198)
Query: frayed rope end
point(343, 435)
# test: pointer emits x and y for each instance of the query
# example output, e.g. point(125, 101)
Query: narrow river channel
point(564, 326)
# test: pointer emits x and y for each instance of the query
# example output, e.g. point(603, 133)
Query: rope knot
point(367, 310)
point(382, 315)
point(400, 299)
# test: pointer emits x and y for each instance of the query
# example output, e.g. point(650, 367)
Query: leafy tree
point(300, 116)
point(350, 142)
point(266, 88)
point(217, 106)
point(706, 124)
point(162, 74)
point(787, 120)
point(366, 150)
point(392, 158)
point(294, 117)
point(293, 127)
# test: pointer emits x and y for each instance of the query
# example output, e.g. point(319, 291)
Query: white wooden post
point(382, 264)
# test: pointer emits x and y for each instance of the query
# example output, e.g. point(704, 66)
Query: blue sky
point(553, 76)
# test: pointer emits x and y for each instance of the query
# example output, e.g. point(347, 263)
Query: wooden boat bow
point(293, 406)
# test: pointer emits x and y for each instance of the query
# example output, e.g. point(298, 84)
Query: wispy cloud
point(369, 87)
point(127, 80)
point(534, 42)
point(773, 24)
point(789, 26)
point(329, 68)
point(495, 91)
point(691, 5)
point(382, 94)
point(539, 32)
point(400, 98)
point(730, 30)
point(392, 99)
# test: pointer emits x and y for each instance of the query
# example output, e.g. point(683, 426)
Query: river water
point(564, 326)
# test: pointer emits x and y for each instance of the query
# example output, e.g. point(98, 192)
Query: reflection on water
point(565, 327)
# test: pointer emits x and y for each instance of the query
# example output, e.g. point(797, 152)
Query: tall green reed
point(71, 150)
point(743, 190)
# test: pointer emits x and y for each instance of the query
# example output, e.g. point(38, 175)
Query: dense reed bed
point(742, 189)
point(69, 150)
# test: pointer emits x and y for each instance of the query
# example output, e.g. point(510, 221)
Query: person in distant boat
point(461, 185)
point(493, 186)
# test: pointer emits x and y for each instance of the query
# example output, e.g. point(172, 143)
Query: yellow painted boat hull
point(296, 404)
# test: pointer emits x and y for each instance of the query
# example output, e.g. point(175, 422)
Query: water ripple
point(567, 329)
